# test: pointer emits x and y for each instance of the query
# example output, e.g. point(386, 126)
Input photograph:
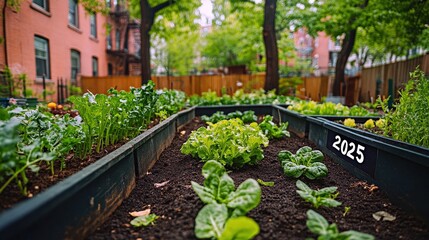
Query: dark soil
point(281, 213)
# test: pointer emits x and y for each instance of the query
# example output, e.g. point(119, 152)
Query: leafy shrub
point(409, 121)
point(229, 141)
point(305, 162)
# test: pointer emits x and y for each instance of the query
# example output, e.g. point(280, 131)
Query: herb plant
point(229, 141)
point(271, 130)
point(317, 224)
point(305, 162)
point(409, 121)
point(329, 108)
point(323, 197)
point(218, 187)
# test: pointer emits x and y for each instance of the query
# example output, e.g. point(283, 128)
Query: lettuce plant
point(213, 221)
point(229, 141)
point(218, 187)
point(305, 162)
point(323, 197)
point(224, 215)
point(317, 224)
point(271, 130)
point(246, 117)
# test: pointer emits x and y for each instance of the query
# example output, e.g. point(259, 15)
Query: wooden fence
point(396, 73)
point(312, 87)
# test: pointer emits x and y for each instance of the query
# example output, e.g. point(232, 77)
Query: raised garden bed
point(281, 213)
point(76, 206)
point(400, 169)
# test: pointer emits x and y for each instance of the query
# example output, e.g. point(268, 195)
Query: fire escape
point(125, 52)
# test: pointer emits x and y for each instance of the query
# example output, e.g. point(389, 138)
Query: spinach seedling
point(324, 197)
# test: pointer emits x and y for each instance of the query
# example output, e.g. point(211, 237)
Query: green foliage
point(305, 162)
point(17, 157)
point(266, 184)
point(144, 221)
point(224, 215)
point(409, 121)
point(169, 102)
point(324, 197)
point(235, 37)
point(219, 188)
point(229, 141)
point(114, 118)
point(212, 221)
point(271, 130)
point(317, 224)
point(241, 97)
point(329, 108)
point(246, 117)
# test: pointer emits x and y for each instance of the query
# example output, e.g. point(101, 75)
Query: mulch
point(281, 213)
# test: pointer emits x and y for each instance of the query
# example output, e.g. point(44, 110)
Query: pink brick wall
point(22, 26)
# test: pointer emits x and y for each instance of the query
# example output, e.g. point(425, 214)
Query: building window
point(118, 39)
point(94, 66)
point(93, 25)
point(73, 13)
point(333, 59)
point(109, 69)
point(41, 46)
point(42, 3)
point(109, 42)
point(75, 64)
point(108, 4)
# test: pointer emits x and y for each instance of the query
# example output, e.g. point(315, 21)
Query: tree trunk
point(270, 42)
point(343, 56)
point(147, 19)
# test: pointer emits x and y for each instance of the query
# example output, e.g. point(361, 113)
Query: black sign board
point(355, 152)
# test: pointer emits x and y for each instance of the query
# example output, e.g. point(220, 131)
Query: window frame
point(93, 25)
point(95, 71)
point(75, 70)
point(45, 2)
point(47, 63)
point(74, 13)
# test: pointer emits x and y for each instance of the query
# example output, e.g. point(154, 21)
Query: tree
point(394, 24)
point(148, 11)
point(270, 42)
point(235, 37)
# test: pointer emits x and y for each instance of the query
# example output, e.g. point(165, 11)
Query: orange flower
point(52, 105)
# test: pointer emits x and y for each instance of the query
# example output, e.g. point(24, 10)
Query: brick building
point(59, 39)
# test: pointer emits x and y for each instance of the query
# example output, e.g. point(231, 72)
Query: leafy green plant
point(305, 162)
point(408, 122)
point(246, 117)
point(169, 102)
point(324, 197)
point(317, 224)
point(229, 141)
point(266, 184)
point(144, 221)
point(218, 187)
point(329, 108)
point(213, 221)
point(271, 130)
